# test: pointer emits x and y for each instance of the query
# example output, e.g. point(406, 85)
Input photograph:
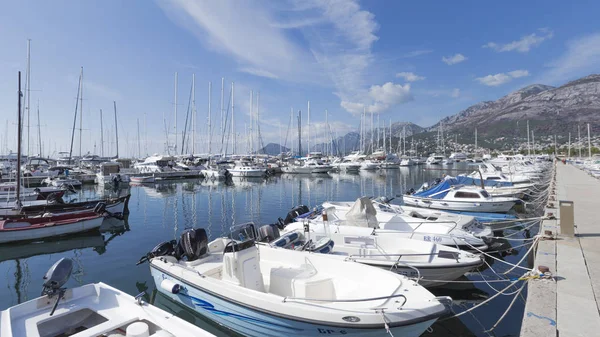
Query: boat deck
point(569, 306)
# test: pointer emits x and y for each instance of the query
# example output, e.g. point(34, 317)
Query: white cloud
point(252, 41)
point(410, 77)
point(501, 78)
point(300, 23)
point(417, 52)
point(454, 59)
point(455, 93)
point(524, 44)
point(518, 73)
point(258, 72)
point(581, 58)
point(380, 98)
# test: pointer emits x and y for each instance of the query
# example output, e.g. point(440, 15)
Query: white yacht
point(109, 174)
point(435, 159)
point(245, 168)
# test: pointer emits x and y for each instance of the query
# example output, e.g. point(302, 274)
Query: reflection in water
point(161, 211)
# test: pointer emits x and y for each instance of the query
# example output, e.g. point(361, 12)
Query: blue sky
point(412, 61)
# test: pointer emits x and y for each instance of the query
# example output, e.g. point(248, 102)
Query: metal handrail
point(345, 301)
point(406, 265)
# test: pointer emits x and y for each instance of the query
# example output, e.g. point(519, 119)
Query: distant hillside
point(273, 149)
point(549, 110)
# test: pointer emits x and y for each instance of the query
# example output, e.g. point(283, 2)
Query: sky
point(413, 61)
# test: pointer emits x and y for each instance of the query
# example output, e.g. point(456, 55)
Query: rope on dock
point(508, 308)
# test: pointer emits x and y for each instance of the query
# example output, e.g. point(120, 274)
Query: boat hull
point(50, 231)
point(250, 322)
point(466, 206)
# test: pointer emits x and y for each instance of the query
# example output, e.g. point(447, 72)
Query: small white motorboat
point(415, 259)
point(89, 311)
point(258, 290)
point(62, 182)
point(387, 212)
point(445, 196)
point(364, 215)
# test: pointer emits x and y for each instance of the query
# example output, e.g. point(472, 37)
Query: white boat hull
point(465, 206)
point(50, 231)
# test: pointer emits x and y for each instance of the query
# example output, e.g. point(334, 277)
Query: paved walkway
point(571, 305)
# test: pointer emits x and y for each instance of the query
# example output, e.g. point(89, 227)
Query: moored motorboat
point(257, 290)
point(88, 311)
point(23, 229)
point(423, 261)
point(446, 196)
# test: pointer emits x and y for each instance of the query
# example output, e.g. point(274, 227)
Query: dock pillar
point(567, 218)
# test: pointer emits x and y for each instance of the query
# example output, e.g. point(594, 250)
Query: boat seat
point(242, 267)
point(303, 282)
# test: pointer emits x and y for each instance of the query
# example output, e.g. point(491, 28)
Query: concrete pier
point(569, 305)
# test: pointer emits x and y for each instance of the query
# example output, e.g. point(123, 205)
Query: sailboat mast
point(117, 127)
point(234, 139)
point(209, 125)
point(138, 139)
point(372, 149)
point(299, 132)
point(81, 113)
point(251, 121)
point(528, 147)
point(193, 114)
point(39, 130)
point(101, 135)
point(569, 151)
point(589, 142)
point(75, 119)
point(328, 140)
point(28, 91)
point(308, 130)
point(579, 141)
point(222, 102)
point(256, 121)
point(390, 135)
point(19, 94)
point(175, 144)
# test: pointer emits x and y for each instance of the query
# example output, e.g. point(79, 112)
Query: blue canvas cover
point(444, 185)
point(472, 181)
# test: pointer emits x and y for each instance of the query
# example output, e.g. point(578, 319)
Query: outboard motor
point(162, 249)
point(55, 278)
point(268, 233)
point(192, 245)
point(293, 214)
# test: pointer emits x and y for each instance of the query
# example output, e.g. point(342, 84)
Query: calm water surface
point(160, 212)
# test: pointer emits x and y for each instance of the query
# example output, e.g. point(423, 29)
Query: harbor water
point(161, 211)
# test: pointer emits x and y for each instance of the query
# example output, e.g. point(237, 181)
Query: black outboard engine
point(293, 214)
point(268, 233)
point(192, 245)
point(162, 249)
point(55, 278)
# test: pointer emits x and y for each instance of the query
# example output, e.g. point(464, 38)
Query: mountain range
point(549, 110)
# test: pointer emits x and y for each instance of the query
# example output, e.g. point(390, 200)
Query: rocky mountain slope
point(550, 110)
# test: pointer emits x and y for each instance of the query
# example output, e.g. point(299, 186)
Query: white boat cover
point(362, 214)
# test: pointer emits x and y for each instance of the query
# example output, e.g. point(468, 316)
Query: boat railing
point(354, 300)
point(360, 256)
point(436, 222)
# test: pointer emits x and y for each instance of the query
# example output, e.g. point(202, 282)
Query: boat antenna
point(20, 94)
